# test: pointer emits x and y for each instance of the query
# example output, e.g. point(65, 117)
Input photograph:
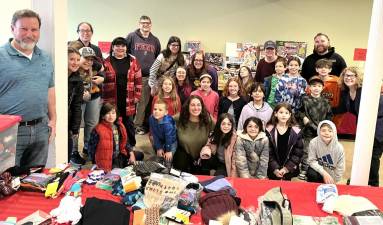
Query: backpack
point(275, 209)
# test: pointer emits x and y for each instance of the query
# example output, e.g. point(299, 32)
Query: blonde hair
point(358, 77)
point(173, 93)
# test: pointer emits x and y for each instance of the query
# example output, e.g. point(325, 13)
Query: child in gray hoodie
point(326, 155)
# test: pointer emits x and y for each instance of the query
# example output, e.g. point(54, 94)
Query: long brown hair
point(173, 93)
point(274, 120)
point(204, 117)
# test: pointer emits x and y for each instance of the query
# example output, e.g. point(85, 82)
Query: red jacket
point(133, 87)
point(104, 150)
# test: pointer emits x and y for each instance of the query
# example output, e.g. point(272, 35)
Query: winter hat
point(87, 52)
point(214, 205)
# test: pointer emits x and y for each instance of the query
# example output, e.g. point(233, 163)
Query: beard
point(25, 45)
point(321, 49)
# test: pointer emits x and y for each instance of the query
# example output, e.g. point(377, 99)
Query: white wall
point(216, 21)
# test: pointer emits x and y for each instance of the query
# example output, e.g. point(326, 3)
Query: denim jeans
point(32, 144)
point(90, 115)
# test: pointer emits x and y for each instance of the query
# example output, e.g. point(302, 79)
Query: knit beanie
point(215, 204)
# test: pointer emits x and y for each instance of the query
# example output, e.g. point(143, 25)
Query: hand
point(75, 136)
point(160, 153)
point(86, 95)
point(153, 91)
point(305, 120)
point(132, 158)
point(97, 80)
point(278, 173)
point(52, 131)
point(283, 171)
point(327, 178)
point(168, 156)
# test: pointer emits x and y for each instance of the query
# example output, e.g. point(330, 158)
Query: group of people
point(275, 125)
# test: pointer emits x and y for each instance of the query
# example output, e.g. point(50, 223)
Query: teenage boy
point(209, 96)
point(315, 108)
point(271, 82)
point(331, 89)
point(326, 156)
point(163, 129)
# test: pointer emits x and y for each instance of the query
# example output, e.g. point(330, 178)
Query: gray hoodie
point(329, 158)
point(252, 156)
point(249, 110)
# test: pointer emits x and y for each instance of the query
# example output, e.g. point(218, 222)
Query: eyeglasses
point(351, 76)
point(85, 31)
point(175, 45)
point(145, 23)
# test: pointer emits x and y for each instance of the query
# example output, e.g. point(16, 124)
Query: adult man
point(27, 89)
point(266, 65)
point(322, 50)
point(145, 47)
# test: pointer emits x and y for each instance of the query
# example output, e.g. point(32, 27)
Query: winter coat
point(295, 148)
point(225, 103)
point(75, 93)
point(252, 156)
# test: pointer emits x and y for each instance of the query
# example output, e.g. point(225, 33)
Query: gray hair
point(25, 13)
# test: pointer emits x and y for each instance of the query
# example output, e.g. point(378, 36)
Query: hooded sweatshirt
point(252, 156)
point(249, 110)
point(308, 66)
point(329, 158)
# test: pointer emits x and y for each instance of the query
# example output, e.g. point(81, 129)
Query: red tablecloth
point(302, 196)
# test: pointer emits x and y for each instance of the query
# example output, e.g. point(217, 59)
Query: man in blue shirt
point(27, 89)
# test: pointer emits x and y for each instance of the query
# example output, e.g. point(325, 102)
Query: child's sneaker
point(77, 159)
point(302, 175)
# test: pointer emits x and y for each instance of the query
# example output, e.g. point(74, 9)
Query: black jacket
point(75, 92)
point(308, 67)
point(224, 105)
point(344, 105)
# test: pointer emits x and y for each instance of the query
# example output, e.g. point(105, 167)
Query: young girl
point(232, 100)
point(252, 150)
point(210, 98)
point(75, 92)
point(108, 140)
point(218, 153)
point(183, 85)
point(168, 94)
point(291, 88)
point(258, 107)
point(246, 80)
point(286, 145)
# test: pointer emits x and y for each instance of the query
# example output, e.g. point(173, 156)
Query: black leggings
point(314, 176)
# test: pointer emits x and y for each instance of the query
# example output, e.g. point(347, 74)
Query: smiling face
point(244, 72)
point(226, 126)
point(85, 33)
point(258, 95)
point(252, 129)
point(145, 25)
point(181, 74)
point(174, 48)
point(323, 71)
point(205, 84)
point(86, 63)
point(321, 44)
point(316, 89)
point(26, 33)
point(111, 116)
point(159, 111)
point(270, 52)
point(283, 115)
point(233, 88)
point(167, 86)
point(326, 133)
point(119, 51)
point(198, 61)
point(195, 107)
point(293, 68)
point(349, 79)
point(280, 68)
point(73, 62)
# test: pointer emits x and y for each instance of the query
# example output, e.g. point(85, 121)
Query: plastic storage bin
point(8, 139)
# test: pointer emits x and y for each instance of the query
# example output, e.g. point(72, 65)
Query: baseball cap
point(87, 52)
point(205, 75)
point(270, 44)
point(315, 79)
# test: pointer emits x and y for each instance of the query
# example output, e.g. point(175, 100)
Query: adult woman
point(232, 100)
point(198, 67)
point(193, 128)
point(246, 80)
point(166, 62)
point(182, 83)
point(123, 84)
point(92, 81)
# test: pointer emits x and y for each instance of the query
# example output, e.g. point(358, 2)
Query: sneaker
point(140, 131)
point(302, 175)
point(76, 158)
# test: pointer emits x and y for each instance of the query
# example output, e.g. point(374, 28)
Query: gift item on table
point(348, 205)
point(325, 191)
point(163, 190)
point(177, 215)
point(189, 197)
point(218, 183)
point(131, 184)
point(274, 208)
point(190, 178)
point(363, 220)
point(100, 212)
point(38, 217)
point(217, 204)
point(94, 176)
point(108, 181)
point(139, 217)
point(139, 204)
point(36, 182)
point(7, 185)
point(145, 168)
point(152, 215)
point(314, 220)
point(131, 198)
point(73, 177)
point(68, 210)
point(75, 190)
